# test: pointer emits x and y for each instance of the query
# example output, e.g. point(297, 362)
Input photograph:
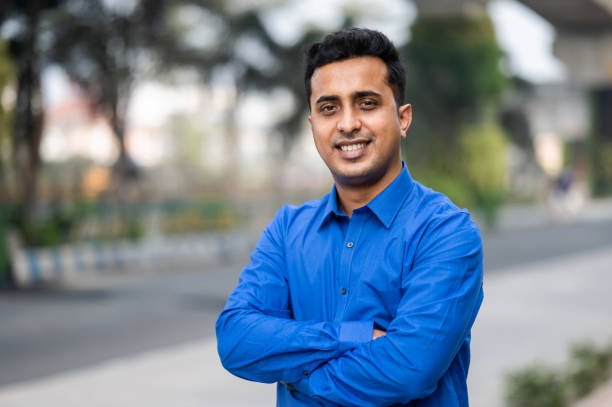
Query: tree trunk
point(124, 168)
point(28, 124)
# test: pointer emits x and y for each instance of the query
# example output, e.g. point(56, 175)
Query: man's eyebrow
point(366, 93)
point(326, 98)
point(358, 94)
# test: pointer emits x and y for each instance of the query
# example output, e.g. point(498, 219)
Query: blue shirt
point(409, 262)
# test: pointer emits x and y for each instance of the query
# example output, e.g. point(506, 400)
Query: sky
point(528, 40)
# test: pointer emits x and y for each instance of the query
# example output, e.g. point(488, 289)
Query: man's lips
point(352, 149)
point(351, 144)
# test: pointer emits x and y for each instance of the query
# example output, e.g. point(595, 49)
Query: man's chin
point(354, 177)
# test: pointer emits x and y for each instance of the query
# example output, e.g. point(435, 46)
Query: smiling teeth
point(352, 147)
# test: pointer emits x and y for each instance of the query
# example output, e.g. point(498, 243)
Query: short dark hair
point(351, 43)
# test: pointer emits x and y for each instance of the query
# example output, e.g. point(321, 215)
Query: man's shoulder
point(435, 207)
point(309, 206)
point(309, 210)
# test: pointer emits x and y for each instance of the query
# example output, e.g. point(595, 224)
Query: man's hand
point(378, 333)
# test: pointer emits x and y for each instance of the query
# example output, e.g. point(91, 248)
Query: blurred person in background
point(367, 295)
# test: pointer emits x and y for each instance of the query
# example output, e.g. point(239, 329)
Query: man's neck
point(351, 197)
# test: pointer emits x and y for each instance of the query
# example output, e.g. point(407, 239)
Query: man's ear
point(405, 117)
point(310, 119)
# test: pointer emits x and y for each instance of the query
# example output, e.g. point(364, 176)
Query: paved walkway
point(531, 313)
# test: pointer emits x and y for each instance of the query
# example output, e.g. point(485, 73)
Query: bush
point(55, 228)
point(536, 386)
point(540, 386)
point(588, 368)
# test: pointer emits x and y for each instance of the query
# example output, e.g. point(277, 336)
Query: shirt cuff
point(353, 333)
point(301, 386)
point(350, 335)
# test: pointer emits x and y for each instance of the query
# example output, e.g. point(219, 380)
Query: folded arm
point(258, 339)
point(442, 294)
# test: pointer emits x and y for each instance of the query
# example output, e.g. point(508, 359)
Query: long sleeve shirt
point(409, 262)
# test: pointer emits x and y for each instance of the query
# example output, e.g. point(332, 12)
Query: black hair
point(356, 42)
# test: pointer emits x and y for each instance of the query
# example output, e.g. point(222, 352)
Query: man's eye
point(327, 109)
point(368, 104)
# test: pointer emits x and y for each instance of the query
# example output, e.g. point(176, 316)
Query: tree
point(25, 49)
point(455, 81)
point(6, 80)
point(248, 58)
point(113, 49)
point(454, 77)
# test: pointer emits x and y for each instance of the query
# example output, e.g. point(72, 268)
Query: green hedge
point(543, 386)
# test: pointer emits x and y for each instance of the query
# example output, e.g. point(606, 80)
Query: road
point(60, 329)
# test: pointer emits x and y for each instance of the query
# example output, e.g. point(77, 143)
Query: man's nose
point(349, 121)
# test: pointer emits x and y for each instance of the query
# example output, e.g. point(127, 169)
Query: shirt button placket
point(350, 245)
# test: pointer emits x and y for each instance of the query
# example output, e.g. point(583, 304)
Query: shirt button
point(343, 291)
point(349, 245)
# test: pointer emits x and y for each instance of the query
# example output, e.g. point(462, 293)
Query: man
point(366, 296)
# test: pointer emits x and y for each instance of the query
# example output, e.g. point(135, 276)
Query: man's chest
point(348, 272)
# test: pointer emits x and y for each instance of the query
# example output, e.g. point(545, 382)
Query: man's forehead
point(354, 73)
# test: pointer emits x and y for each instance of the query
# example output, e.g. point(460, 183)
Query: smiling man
point(364, 297)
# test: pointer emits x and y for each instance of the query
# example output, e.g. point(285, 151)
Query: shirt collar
point(331, 207)
point(385, 205)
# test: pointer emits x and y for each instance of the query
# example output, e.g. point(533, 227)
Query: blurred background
point(145, 144)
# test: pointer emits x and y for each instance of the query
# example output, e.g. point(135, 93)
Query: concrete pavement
point(188, 375)
point(532, 312)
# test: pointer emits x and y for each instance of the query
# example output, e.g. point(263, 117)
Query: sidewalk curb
point(34, 266)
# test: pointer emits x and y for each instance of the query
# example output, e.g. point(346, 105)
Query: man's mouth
point(351, 147)
point(352, 150)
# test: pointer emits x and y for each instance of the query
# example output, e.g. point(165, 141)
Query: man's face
point(356, 125)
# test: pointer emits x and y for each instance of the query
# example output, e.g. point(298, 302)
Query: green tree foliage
point(482, 151)
point(454, 83)
point(454, 67)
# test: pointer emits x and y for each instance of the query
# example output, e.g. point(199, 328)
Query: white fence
point(32, 266)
